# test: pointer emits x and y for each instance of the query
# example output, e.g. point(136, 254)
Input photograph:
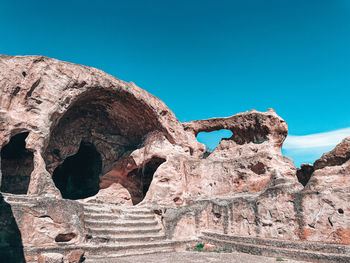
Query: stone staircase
point(112, 231)
point(116, 231)
point(308, 251)
point(21, 200)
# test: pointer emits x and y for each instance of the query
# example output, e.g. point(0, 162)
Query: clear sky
point(206, 58)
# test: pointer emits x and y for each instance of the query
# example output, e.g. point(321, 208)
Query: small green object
point(279, 259)
point(223, 250)
point(199, 247)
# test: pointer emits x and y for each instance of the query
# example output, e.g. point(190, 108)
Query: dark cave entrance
point(78, 176)
point(140, 179)
point(16, 165)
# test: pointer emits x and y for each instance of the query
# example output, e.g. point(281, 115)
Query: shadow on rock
point(11, 247)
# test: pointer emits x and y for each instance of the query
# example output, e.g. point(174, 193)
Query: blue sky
point(206, 58)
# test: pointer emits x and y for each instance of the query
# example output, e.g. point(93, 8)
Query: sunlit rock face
point(75, 118)
point(74, 132)
point(326, 197)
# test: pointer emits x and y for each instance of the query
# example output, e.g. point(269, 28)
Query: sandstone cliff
point(74, 132)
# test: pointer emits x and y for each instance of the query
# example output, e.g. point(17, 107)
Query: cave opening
point(140, 179)
point(16, 165)
point(112, 124)
point(78, 176)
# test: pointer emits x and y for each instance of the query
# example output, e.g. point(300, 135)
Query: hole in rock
point(139, 180)
point(340, 211)
point(217, 215)
point(212, 139)
point(16, 165)
point(78, 176)
point(65, 237)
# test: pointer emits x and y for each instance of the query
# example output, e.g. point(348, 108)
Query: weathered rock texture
point(62, 105)
point(326, 197)
point(74, 132)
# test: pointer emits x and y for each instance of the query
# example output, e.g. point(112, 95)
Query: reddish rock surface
point(74, 132)
point(76, 256)
point(339, 155)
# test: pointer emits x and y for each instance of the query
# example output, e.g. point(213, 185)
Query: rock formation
point(74, 132)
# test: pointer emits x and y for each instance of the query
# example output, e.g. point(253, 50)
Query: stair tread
point(130, 237)
point(319, 253)
point(110, 256)
point(124, 228)
point(105, 246)
point(272, 240)
point(121, 221)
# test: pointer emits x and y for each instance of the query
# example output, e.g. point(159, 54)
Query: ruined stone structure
point(91, 164)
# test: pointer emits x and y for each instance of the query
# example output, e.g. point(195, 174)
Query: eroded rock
point(76, 256)
point(114, 194)
point(88, 136)
point(339, 155)
point(50, 258)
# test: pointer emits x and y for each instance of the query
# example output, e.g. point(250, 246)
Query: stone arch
point(114, 122)
point(16, 165)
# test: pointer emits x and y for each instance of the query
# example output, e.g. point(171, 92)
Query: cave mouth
point(140, 179)
point(16, 165)
point(78, 176)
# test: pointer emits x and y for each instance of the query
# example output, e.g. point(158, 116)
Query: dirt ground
point(198, 257)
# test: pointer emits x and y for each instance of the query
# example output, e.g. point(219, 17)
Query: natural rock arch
point(16, 165)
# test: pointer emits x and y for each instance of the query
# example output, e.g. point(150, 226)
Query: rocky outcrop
point(339, 155)
point(255, 127)
point(74, 132)
point(61, 104)
point(114, 194)
point(251, 166)
point(326, 197)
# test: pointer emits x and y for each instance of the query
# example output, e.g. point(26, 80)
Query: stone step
point(21, 204)
point(136, 210)
point(20, 198)
point(122, 231)
point(114, 257)
point(270, 251)
point(96, 210)
point(138, 216)
point(102, 249)
point(128, 238)
point(126, 209)
point(96, 216)
point(301, 245)
point(110, 216)
point(118, 223)
point(107, 249)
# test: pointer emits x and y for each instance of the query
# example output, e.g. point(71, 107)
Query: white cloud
point(308, 148)
point(317, 140)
